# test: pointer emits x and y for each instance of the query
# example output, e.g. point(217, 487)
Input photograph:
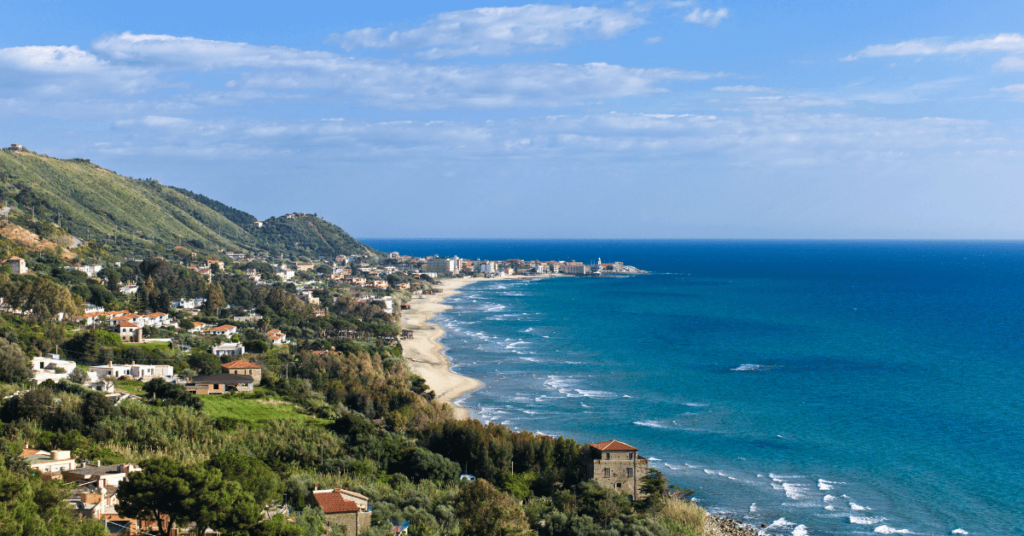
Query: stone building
point(616, 465)
point(241, 366)
point(348, 509)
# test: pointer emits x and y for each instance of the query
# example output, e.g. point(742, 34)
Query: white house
point(51, 367)
point(228, 349)
point(140, 372)
point(91, 270)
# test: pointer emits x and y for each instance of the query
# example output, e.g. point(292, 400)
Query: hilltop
point(75, 202)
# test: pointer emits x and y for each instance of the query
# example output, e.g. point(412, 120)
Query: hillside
point(124, 216)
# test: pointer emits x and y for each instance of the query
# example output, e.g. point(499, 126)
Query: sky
point(645, 119)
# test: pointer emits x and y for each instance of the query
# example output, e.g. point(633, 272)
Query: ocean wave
point(748, 367)
point(828, 498)
point(753, 508)
point(719, 473)
point(513, 345)
point(531, 359)
point(860, 520)
point(527, 330)
point(653, 459)
point(780, 523)
point(960, 531)
point(695, 404)
point(586, 393)
point(886, 529)
point(826, 485)
point(800, 530)
point(857, 508)
point(673, 467)
point(650, 424)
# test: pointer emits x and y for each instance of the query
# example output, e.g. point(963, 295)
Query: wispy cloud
point(925, 47)
point(497, 30)
point(741, 89)
point(392, 83)
point(707, 17)
point(48, 63)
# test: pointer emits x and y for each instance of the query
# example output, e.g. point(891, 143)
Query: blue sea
point(810, 387)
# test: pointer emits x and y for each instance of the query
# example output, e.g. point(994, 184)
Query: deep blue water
point(847, 387)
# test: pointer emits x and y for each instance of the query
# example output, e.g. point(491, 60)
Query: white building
point(138, 372)
point(228, 349)
point(486, 267)
point(91, 270)
point(51, 367)
point(441, 265)
point(189, 303)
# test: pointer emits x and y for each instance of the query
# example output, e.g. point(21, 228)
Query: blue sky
point(662, 119)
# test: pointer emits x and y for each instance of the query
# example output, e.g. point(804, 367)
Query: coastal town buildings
point(616, 465)
point(241, 366)
point(346, 508)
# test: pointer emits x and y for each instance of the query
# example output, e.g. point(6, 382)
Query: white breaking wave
point(653, 459)
point(753, 507)
point(857, 508)
point(826, 485)
point(795, 491)
point(673, 467)
point(858, 520)
point(695, 404)
point(886, 529)
point(748, 367)
point(800, 530)
point(650, 424)
point(780, 523)
point(591, 394)
point(960, 531)
point(829, 498)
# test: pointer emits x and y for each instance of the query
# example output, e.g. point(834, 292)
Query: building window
point(607, 455)
point(607, 473)
point(629, 456)
point(629, 471)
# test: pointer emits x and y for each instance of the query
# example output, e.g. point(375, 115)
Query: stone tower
point(618, 466)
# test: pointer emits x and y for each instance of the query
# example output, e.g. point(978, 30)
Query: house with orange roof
point(241, 366)
point(616, 465)
point(129, 331)
point(341, 509)
point(226, 330)
point(277, 337)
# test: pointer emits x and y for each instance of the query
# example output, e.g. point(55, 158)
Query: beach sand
point(424, 353)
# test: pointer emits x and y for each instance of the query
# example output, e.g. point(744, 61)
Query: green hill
point(119, 215)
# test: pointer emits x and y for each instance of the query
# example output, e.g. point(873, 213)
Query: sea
point(806, 387)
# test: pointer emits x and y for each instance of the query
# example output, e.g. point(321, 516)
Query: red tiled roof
point(240, 363)
point(126, 325)
point(225, 327)
point(331, 502)
point(612, 445)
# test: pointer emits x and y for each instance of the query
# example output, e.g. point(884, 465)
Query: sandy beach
point(424, 353)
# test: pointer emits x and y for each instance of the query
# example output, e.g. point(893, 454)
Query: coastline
point(425, 354)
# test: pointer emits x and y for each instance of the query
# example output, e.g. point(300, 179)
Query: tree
point(156, 493)
point(47, 301)
point(255, 476)
point(78, 376)
point(15, 366)
point(219, 504)
point(277, 526)
point(214, 300)
point(169, 393)
point(484, 511)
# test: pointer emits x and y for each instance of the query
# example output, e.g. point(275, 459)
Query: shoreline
point(425, 355)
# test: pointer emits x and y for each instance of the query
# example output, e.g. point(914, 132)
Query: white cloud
point(707, 17)
point(926, 47)
point(1014, 88)
point(741, 89)
point(652, 40)
point(392, 83)
point(51, 59)
point(1010, 63)
point(38, 66)
point(497, 30)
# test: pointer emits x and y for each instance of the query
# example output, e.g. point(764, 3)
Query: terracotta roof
point(353, 494)
point(332, 502)
point(15, 259)
point(225, 327)
point(612, 445)
point(155, 315)
point(240, 363)
point(126, 325)
point(30, 452)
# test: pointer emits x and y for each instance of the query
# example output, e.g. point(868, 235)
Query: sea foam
point(747, 367)
point(886, 529)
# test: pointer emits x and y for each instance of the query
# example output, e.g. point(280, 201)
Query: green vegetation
point(117, 215)
point(243, 408)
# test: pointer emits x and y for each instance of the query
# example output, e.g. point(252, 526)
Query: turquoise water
point(813, 387)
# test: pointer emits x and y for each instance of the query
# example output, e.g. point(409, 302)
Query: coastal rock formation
point(723, 526)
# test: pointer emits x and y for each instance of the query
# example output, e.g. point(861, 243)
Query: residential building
point(277, 337)
point(441, 265)
point(341, 509)
point(139, 372)
point(226, 330)
point(17, 265)
point(91, 270)
point(575, 268)
point(241, 366)
point(50, 464)
point(228, 349)
point(129, 290)
point(616, 465)
point(51, 368)
point(189, 303)
point(218, 384)
point(129, 332)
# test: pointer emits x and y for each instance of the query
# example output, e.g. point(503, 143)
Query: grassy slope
point(89, 197)
point(252, 410)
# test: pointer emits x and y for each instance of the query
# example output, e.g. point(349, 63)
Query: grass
point(251, 409)
point(157, 346)
point(131, 386)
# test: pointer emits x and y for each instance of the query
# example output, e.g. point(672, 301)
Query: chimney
point(316, 487)
point(26, 444)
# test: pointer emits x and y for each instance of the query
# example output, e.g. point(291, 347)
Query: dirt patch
point(30, 240)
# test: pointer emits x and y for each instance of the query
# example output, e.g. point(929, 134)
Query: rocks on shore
point(723, 526)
